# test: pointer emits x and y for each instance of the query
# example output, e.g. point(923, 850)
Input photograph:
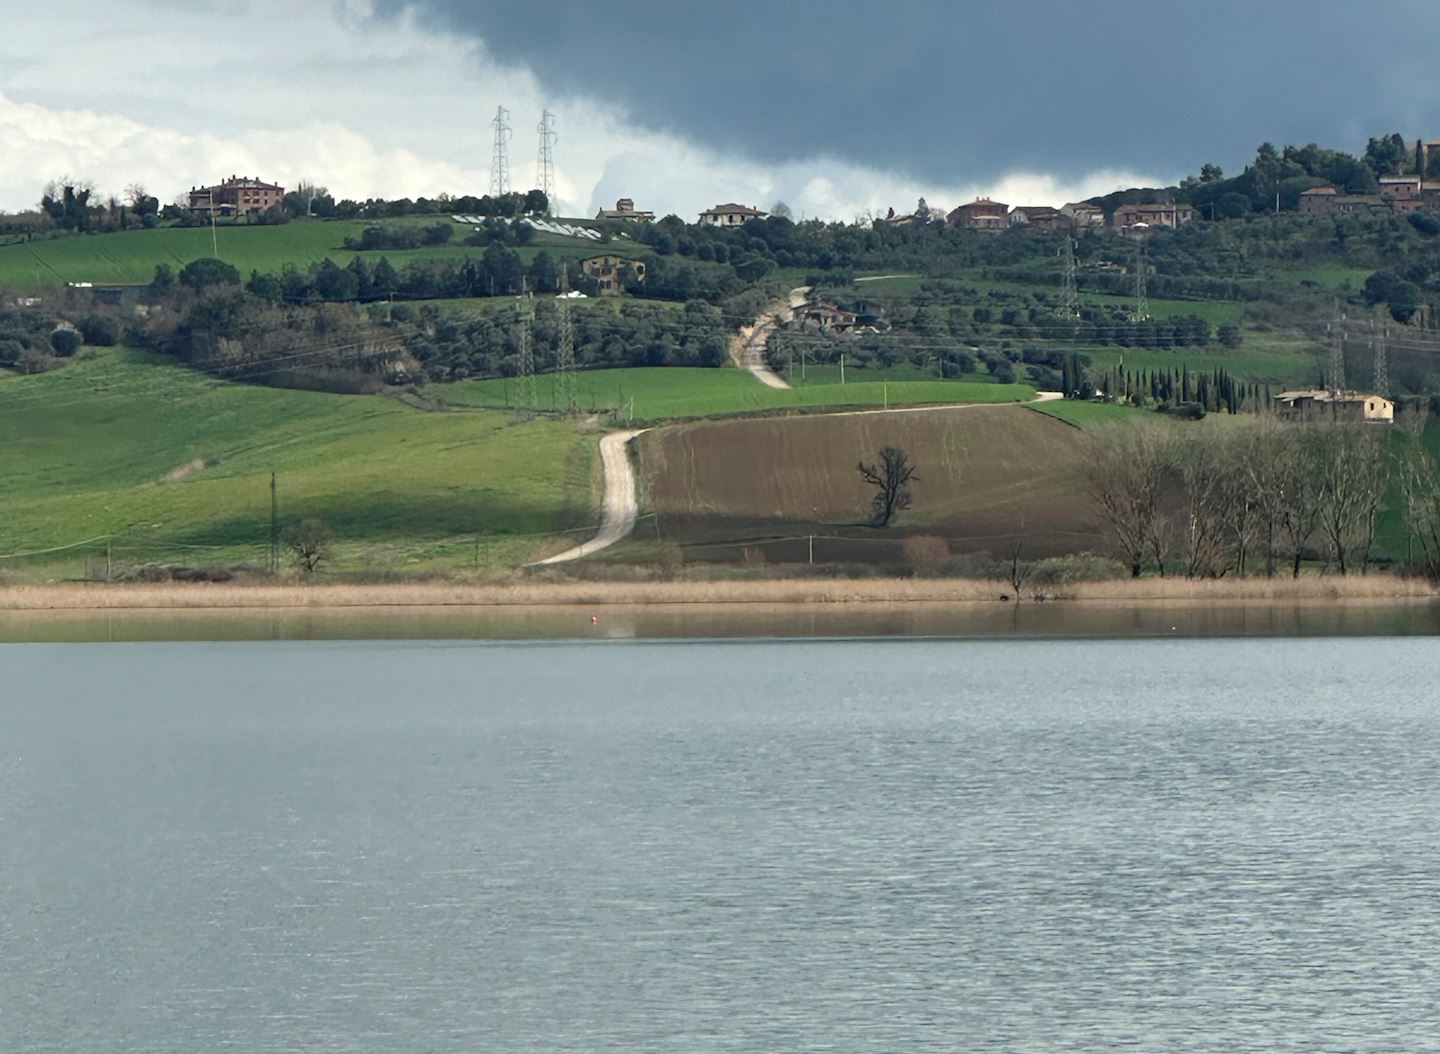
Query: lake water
point(853, 846)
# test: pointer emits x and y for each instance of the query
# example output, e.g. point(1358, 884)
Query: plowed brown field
point(985, 475)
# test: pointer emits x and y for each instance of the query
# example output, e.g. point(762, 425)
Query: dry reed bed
point(1371, 588)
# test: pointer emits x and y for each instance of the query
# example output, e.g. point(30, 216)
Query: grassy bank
point(1368, 589)
point(155, 462)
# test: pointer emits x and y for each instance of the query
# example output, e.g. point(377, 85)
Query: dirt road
point(747, 348)
point(620, 504)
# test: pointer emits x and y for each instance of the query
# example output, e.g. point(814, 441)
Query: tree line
point(1261, 496)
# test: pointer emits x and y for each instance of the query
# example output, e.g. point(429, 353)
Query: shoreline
point(1373, 590)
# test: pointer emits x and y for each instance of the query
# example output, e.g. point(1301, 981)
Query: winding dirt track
point(621, 505)
point(747, 348)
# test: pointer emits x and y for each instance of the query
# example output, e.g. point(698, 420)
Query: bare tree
point(1419, 474)
point(1352, 470)
point(1124, 476)
point(1205, 469)
point(309, 544)
point(890, 478)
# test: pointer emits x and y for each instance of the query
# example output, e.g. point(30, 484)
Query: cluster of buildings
point(1402, 194)
point(236, 196)
point(983, 214)
point(730, 215)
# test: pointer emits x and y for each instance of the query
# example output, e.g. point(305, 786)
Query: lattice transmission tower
point(1382, 362)
point(500, 154)
point(1070, 292)
point(523, 318)
point(1336, 379)
point(545, 163)
point(565, 358)
point(1142, 286)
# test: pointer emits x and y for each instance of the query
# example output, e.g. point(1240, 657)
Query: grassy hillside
point(668, 393)
point(119, 445)
point(131, 256)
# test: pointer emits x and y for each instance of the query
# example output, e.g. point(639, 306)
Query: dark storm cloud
point(965, 91)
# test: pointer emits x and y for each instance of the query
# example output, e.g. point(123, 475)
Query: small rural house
point(1319, 404)
point(730, 215)
point(1039, 218)
point(625, 210)
point(982, 214)
point(236, 196)
point(1084, 215)
point(1153, 215)
point(612, 273)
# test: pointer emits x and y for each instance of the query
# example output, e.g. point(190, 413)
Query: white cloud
point(173, 96)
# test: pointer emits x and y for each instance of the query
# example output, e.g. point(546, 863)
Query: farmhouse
point(1083, 214)
point(1318, 200)
point(612, 273)
point(1319, 404)
point(625, 210)
point(730, 215)
point(1039, 218)
point(236, 196)
point(982, 214)
point(821, 317)
point(1153, 215)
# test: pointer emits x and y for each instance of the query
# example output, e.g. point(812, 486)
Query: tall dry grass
point(1375, 588)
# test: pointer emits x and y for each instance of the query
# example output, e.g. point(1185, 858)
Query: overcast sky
point(836, 107)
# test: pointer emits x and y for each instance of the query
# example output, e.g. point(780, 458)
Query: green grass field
point(672, 393)
point(85, 452)
point(1090, 415)
point(131, 256)
point(1279, 362)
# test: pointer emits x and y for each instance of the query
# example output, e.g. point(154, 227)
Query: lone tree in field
point(889, 478)
point(309, 543)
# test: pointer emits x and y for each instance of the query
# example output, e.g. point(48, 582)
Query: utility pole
point(274, 527)
point(842, 367)
point(565, 364)
point(499, 156)
point(545, 165)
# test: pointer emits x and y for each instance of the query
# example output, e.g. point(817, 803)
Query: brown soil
point(985, 476)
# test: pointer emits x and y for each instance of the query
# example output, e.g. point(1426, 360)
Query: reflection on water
point(808, 847)
point(700, 621)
